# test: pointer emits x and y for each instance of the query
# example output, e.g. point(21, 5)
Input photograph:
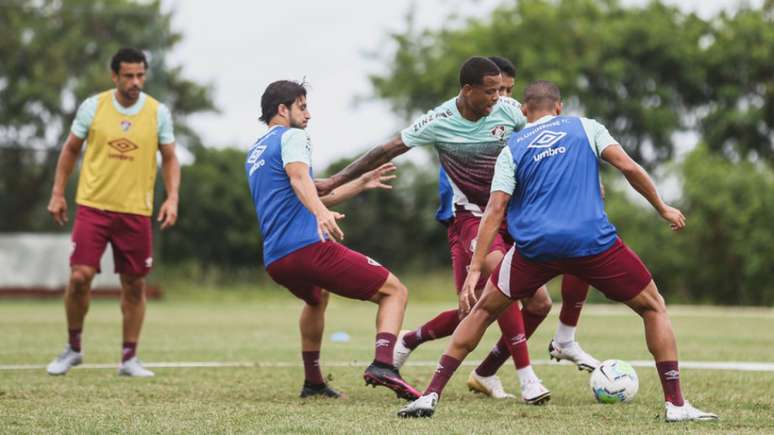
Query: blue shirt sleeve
point(164, 122)
point(504, 179)
point(84, 117)
point(296, 147)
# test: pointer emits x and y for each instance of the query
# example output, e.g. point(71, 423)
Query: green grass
point(261, 327)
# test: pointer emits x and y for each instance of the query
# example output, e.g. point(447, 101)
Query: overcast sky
point(239, 47)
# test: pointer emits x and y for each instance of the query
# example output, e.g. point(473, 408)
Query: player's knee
point(80, 280)
point(649, 301)
point(394, 289)
point(133, 289)
point(323, 300)
point(539, 304)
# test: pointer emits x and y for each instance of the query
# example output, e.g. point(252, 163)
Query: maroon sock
point(512, 325)
point(669, 374)
point(495, 359)
point(128, 351)
point(385, 343)
point(74, 338)
point(312, 372)
point(446, 367)
point(574, 293)
point(443, 325)
point(531, 321)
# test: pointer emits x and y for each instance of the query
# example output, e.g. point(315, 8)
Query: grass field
point(260, 328)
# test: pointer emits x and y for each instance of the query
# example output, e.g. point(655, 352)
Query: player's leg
point(564, 346)
point(444, 324)
point(464, 340)
point(132, 254)
point(534, 310)
point(89, 239)
point(620, 275)
point(312, 324)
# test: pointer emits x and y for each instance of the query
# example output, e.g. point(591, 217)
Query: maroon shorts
point(330, 266)
point(462, 234)
point(128, 234)
point(618, 273)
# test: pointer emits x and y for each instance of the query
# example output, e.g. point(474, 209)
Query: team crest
point(126, 125)
point(498, 132)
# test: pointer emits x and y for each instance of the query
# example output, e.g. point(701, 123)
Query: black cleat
point(388, 376)
point(319, 390)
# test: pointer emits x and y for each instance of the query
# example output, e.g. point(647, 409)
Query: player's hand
point(674, 217)
point(168, 213)
point(327, 226)
point(378, 178)
point(468, 295)
point(57, 206)
point(324, 186)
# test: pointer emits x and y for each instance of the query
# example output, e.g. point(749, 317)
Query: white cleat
point(133, 367)
point(64, 362)
point(400, 352)
point(687, 413)
point(422, 407)
point(534, 393)
point(574, 353)
point(489, 385)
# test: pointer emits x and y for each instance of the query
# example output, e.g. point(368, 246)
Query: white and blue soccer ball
point(614, 381)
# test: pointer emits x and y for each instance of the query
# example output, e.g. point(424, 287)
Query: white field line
point(701, 365)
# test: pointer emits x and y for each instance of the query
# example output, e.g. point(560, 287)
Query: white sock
point(526, 374)
point(564, 333)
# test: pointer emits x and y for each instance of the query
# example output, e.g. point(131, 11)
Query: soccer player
point(574, 292)
point(124, 129)
point(468, 131)
point(547, 179)
point(299, 249)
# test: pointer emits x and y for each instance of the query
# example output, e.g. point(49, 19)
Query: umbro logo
point(546, 138)
point(372, 262)
point(382, 342)
point(672, 375)
point(123, 145)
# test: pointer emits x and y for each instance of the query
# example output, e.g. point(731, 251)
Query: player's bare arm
point(304, 188)
point(487, 230)
point(71, 149)
point(170, 169)
point(374, 158)
point(642, 183)
point(376, 179)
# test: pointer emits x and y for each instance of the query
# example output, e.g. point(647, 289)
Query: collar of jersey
point(541, 120)
point(457, 113)
point(131, 110)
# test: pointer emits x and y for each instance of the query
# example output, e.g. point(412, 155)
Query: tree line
point(650, 73)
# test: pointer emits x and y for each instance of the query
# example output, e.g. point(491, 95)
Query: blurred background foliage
point(656, 76)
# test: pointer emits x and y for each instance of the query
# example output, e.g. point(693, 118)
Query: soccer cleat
point(65, 361)
point(489, 385)
point(534, 393)
point(422, 407)
point(400, 352)
point(687, 413)
point(574, 353)
point(133, 367)
point(323, 390)
point(388, 376)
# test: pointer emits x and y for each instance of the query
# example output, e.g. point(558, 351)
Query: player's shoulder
point(509, 103)
point(589, 123)
point(292, 134)
point(434, 116)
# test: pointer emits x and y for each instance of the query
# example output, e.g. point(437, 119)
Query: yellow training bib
point(119, 168)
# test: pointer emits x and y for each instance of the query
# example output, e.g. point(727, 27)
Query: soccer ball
point(614, 381)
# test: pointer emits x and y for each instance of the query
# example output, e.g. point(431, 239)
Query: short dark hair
point(127, 55)
point(541, 94)
point(475, 69)
point(505, 65)
point(280, 92)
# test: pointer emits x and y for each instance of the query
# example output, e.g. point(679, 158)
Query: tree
point(646, 72)
point(55, 54)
